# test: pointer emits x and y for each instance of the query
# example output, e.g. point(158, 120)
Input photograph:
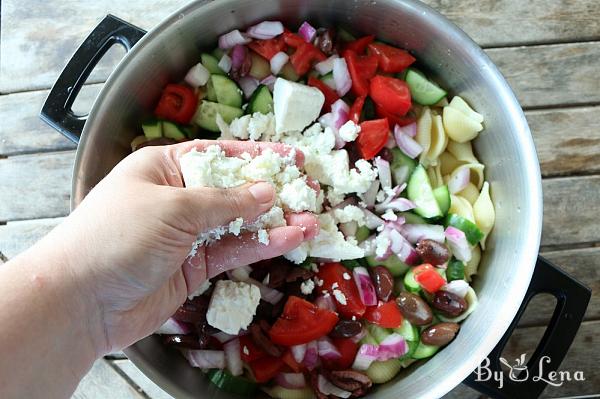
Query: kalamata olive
point(264, 343)
point(324, 40)
point(414, 309)
point(192, 311)
point(439, 334)
point(449, 304)
point(349, 380)
point(383, 281)
point(433, 252)
point(185, 341)
point(386, 154)
point(346, 329)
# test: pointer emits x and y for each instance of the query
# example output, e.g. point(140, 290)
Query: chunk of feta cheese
point(389, 215)
point(263, 236)
point(232, 306)
point(298, 196)
point(339, 296)
point(307, 287)
point(200, 290)
point(382, 243)
point(235, 226)
point(350, 213)
point(349, 131)
point(295, 105)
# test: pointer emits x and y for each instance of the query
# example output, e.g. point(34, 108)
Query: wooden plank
point(152, 390)
point(104, 382)
point(15, 237)
point(551, 75)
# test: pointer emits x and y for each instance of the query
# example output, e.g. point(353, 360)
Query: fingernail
point(262, 192)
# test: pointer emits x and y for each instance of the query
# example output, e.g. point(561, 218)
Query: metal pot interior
point(505, 147)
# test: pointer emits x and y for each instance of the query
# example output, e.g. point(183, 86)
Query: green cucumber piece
point(206, 118)
point(411, 218)
point(420, 192)
point(474, 235)
point(410, 283)
point(261, 101)
point(328, 80)
point(378, 333)
point(396, 267)
point(288, 73)
point(344, 35)
point(423, 90)
point(211, 63)
point(412, 347)
point(408, 331)
point(227, 91)
point(368, 339)
point(211, 95)
point(352, 263)
point(402, 166)
point(455, 270)
point(173, 131)
point(424, 351)
point(362, 233)
point(152, 129)
point(382, 372)
point(279, 392)
point(230, 383)
point(442, 196)
point(260, 68)
point(218, 53)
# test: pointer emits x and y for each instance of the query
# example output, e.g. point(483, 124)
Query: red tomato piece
point(177, 103)
point(331, 95)
point(372, 137)
point(360, 45)
point(252, 351)
point(356, 109)
point(332, 275)
point(391, 59)
point(428, 278)
point(292, 39)
point(384, 314)
point(265, 368)
point(391, 94)
point(347, 349)
point(304, 56)
point(288, 359)
point(395, 119)
point(361, 69)
point(301, 322)
point(268, 48)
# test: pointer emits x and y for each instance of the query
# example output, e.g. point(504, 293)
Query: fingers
point(194, 269)
point(231, 252)
point(308, 223)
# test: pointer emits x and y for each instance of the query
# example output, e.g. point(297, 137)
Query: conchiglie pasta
point(424, 123)
point(470, 193)
point(476, 173)
point(460, 206)
point(462, 151)
point(438, 142)
point(462, 124)
point(461, 105)
point(435, 176)
point(484, 213)
point(448, 163)
point(472, 265)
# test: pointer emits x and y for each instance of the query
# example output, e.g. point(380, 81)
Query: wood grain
point(15, 237)
point(102, 382)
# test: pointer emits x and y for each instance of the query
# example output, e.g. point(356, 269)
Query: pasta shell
point(461, 105)
point(459, 126)
point(423, 136)
point(438, 142)
point(448, 163)
point(462, 151)
point(472, 265)
point(435, 176)
point(460, 206)
point(476, 170)
point(470, 193)
point(484, 213)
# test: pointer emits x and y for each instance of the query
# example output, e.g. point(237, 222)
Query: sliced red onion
point(324, 67)
point(327, 349)
point(205, 359)
point(366, 290)
point(307, 32)
point(403, 249)
point(397, 240)
point(197, 75)
point(345, 203)
point(264, 30)
point(392, 347)
point(269, 81)
point(298, 351)
point(457, 241)
point(290, 380)
point(311, 358)
point(370, 195)
point(407, 144)
point(398, 204)
point(459, 179)
point(391, 195)
point(232, 38)
point(248, 85)
point(327, 120)
point(325, 302)
point(416, 232)
point(409, 130)
point(238, 57)
point(172, 326)
point(457, 287)
point(278, 61)
point(233, 358)
point(340, 111)
point(349, 228)
point(372, 221)
point(327, 388)
point(223, 337)
point(367, 354)
point(384, 172)
point(267, 293)
point(225, 63)
point(341, 76)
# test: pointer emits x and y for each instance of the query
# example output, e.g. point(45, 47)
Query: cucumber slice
point(211, 95)
point(474, 235)
point(218, 53)
point(378, 333)
point(442, 196)
point(410, 283)
point(152, 129)
point(230, 383)
point(288, 73)
point(260, 68)
point(261, 101)
point(279, 392)
point(381, 372)
point(396, 267)
point(422, 90)
point(455, 270)
point(211, 63)
point(227, 91)
point(362, 233)
point(402, 166)
point(424, 351)
point(368, 339)
point(328, 80)
point(206, 116)
point(173, 131)
point(408, 331)
point(352, 263)
point(420, 192)
point(411, 218)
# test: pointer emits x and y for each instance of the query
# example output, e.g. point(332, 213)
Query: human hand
point(127, 242)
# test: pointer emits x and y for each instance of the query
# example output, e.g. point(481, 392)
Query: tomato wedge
point(301, 322)
point(177, 103)
point(249, 351)
point(331, 95)
point(304, 56)
point(360, 45)
point(265, 368)
point(292, 39)
point(395, 119)
point(361, 69)
point(372, 137)
point(347, 349)
point(428, 278)
point(391, 94)
point(332, 275)
point(391, 59)
point(384, 314)
point(288, 359)
point(356, 109)
point(268, 48)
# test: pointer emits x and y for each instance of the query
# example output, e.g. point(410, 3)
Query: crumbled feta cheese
point(334, 197)
point(349, 131)
point(232, 306)
point(319, 281)
point(346, 276)
point(382, 243)
point(261, 125)
point(200, 290)
point(298, 254)
point(389, 215)
point(350, 213)
point(334, 285)
point(297, 196)
point(380, 196)
point(239, 127)
point(339, 296)
point(295, 105)
point(307, 287)
point(263, 236)
point(235, 226)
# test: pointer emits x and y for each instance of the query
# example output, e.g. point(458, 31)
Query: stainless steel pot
point(504, 283)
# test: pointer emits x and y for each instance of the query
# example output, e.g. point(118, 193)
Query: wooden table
point(549, 50)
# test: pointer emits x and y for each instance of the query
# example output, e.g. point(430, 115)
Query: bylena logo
point(519, 372)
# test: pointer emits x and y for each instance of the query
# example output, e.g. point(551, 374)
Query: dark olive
point(414, 309)
point(185, 341)
point(192, 311)
point(433, 252)
point(449, 304)
point(346, 329)
point(262, 341)
point(383, 281)
point(386, 154)
point(439, 334)
point(349, 380)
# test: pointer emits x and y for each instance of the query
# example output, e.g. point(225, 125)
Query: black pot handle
point(57, 108)
point(572, 299)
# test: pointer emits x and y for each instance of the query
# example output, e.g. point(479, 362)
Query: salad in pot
point(387, 167)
